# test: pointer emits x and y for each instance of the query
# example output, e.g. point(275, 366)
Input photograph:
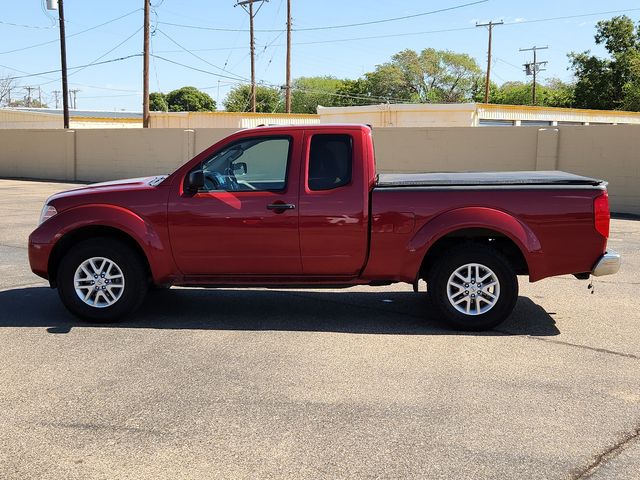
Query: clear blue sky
point(118, 85)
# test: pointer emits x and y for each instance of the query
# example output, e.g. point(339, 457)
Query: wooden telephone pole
point(533, 68)
point(247, 5)
point(145, 68)
point(59, 5)
point(287, 93)
point(488, 79)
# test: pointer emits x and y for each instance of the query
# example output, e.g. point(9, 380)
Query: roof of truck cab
point(327, 126)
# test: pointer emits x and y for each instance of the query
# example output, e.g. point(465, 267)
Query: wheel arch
point(149, 239)
point(496, 228)
point(73, 237)
point(483, 236)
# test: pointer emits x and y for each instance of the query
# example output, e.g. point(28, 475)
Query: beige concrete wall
point(37, 153)
point(205, 137)
point(608, 152)
point(103, 154)
point(455, 149)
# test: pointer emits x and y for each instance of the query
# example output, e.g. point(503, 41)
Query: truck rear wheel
point(101, 280)
point(472, 287)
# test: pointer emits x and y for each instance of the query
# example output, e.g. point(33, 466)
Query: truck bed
point(552, 178)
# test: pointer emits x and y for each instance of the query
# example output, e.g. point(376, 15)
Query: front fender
point(472, 217)
point(143, 232)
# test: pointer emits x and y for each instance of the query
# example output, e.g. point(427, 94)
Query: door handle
point(281, 206)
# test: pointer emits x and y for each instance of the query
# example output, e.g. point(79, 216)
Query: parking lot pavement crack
point(22, 247)
point(575, 345)
point(606, 456)
point(598, 280)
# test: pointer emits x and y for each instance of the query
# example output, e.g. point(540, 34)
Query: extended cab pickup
point(303, 206)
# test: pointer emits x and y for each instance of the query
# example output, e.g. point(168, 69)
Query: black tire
point(126, 259)
point(438, 287)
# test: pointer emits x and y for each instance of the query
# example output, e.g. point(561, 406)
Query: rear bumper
point(608, 264)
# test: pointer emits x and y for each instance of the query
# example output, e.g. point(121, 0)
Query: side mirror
point(195, 181)
point(240, 167)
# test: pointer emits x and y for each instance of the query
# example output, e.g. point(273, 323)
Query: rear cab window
point(330, 161)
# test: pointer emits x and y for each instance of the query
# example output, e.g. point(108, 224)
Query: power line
point(73, 83)
point(333, 94)
point(72, 35)
point(386, 20)
point(331, 27)
point(196, 68)
point(507, 63)
point(199, 57)
point(567, 17)
point(101, 56)
point(408, 34)
point(27, 26)
point(73, 68)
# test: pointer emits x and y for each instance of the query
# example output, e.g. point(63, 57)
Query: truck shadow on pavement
point(348, 311)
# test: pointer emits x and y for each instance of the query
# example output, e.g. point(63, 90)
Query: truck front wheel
point(101, 280)
point(472, 287)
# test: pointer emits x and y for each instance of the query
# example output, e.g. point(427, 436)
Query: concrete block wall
point(608, 152)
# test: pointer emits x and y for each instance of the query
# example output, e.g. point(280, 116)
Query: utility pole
point(28, 99)
point(55, 95)
point(40, 96)
point(74, 91)
point(252, 43)
point(287, 94)
point(145, 68)
point(490, 24)
point(533, 68)
point(51, 5)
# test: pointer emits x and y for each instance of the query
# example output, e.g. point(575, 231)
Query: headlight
point(48, 211)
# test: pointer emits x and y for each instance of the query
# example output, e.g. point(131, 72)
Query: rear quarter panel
point(553, 228)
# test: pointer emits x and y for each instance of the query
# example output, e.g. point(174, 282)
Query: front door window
point(256, 164)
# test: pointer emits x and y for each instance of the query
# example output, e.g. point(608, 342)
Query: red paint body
point(355, 234)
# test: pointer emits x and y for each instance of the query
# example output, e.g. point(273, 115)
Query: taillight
point(601, 215)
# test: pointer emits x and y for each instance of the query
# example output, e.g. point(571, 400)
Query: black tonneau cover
point(552, 178)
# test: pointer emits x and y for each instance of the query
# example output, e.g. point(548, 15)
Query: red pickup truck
point(303, 206)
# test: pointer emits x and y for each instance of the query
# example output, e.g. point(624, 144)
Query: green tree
point(268, 99)
point(158, 102)
point(514, 93)
point(558, 93)
point(353, 93)
point(387, 83)
point(309, 92)
point(613, 82)
point(438, 76)
point(553, 93)
point(189, 99)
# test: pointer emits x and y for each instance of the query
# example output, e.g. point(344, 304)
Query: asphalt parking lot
point(357, 383)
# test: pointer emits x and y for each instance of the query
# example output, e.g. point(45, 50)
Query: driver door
point(245, 219)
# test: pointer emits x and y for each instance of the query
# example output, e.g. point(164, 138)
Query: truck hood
point(103, 190)
point(129, 184)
